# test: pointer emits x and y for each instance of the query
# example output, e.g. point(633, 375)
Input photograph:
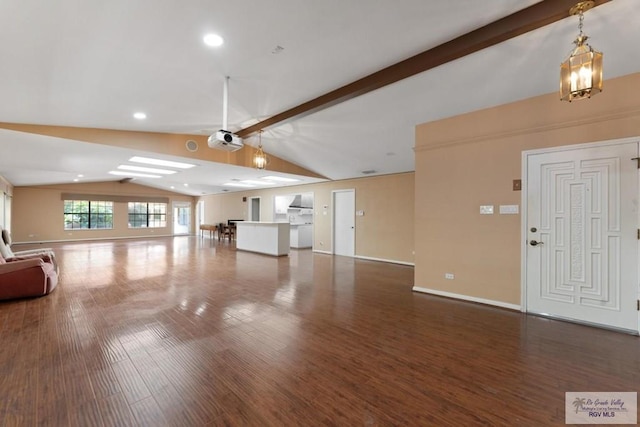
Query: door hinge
point(637, 159)
point(638, 306)
point(638, 233)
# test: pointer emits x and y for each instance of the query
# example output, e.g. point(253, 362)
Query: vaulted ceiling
point(92, 64)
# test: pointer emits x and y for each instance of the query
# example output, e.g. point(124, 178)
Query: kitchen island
point(270, 238)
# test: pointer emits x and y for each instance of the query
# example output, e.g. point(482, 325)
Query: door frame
point(250, 207)
point(199, 215)
point(333, 219)
point(181, 204)
point(524, 218)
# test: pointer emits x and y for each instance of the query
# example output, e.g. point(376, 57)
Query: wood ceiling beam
point(539, 15)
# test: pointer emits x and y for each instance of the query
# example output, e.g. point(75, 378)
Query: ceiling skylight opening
point(139, 115)
point(144, 169)
point(250, 181)
point(238, 184)
point(159, 162)
point(213, 40)
point(142, 175)
point(279, 179)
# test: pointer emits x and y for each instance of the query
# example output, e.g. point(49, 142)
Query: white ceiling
point(90, 63)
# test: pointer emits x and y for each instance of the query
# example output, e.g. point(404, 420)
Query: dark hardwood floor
point(186, 331)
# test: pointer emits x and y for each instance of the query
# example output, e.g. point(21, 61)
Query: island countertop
point(271, 238)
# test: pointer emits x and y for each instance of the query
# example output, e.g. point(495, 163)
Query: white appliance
point(225, 140)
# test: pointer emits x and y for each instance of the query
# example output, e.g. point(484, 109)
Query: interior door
point(255, 209)
point(344, 222)
point(581, 228)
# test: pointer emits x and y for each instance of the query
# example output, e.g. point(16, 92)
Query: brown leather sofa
point(26, 273)
point(30, 277)
point(46, 254)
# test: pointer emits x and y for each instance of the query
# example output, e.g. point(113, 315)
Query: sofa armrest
point(44, 256)
point(17, 265)
point(32, 251)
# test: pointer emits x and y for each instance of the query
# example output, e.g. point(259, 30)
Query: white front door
point(181, 218)
point(344, 222)
point(581, 221)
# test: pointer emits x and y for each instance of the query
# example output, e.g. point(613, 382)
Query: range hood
point(303, 201)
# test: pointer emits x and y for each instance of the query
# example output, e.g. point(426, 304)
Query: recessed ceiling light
point(279, 179)
point(172, 187)
point(238, 184)
point(140, 115)
point(158, 162)
point(143, 169)
point(76, 180)
point(186, 185)
point(144, 175)
point(80, 175)
point(213, 40)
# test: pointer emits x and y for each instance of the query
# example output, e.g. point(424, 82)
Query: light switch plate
point(486, 210)
point(509, 209)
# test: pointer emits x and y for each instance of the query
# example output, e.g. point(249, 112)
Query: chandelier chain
point(581, 22)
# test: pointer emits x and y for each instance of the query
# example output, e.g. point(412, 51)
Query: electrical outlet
point(449, 276)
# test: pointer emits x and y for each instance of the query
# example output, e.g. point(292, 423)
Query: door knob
point(535, 243)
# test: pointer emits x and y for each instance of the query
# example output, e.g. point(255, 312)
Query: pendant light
point(260, 159)
point(581, 72)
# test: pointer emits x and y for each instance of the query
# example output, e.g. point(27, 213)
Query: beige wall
point(37, 212)
point(384, 232)
point(471, 160)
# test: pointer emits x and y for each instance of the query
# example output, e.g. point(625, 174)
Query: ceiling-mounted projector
point(225, 140)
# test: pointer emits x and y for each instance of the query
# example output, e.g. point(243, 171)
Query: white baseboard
point(323, 252)
point(467, 298)
point(35, 242)
point(391, 261)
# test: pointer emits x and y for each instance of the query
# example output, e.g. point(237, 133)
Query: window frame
point(95, 217)
point(154, 215)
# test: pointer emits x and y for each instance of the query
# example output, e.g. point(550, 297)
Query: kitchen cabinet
point(282, 204)
point(301, 236)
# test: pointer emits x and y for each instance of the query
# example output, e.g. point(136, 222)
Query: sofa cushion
point(6, 237)
point(5, 251)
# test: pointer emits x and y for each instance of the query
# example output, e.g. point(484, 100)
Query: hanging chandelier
point(260, 159)
point(581, 72)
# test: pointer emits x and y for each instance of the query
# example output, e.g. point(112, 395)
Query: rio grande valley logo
point(601, 408)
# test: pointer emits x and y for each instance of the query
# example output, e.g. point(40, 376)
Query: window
point(147, 215)
point(85, 214)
